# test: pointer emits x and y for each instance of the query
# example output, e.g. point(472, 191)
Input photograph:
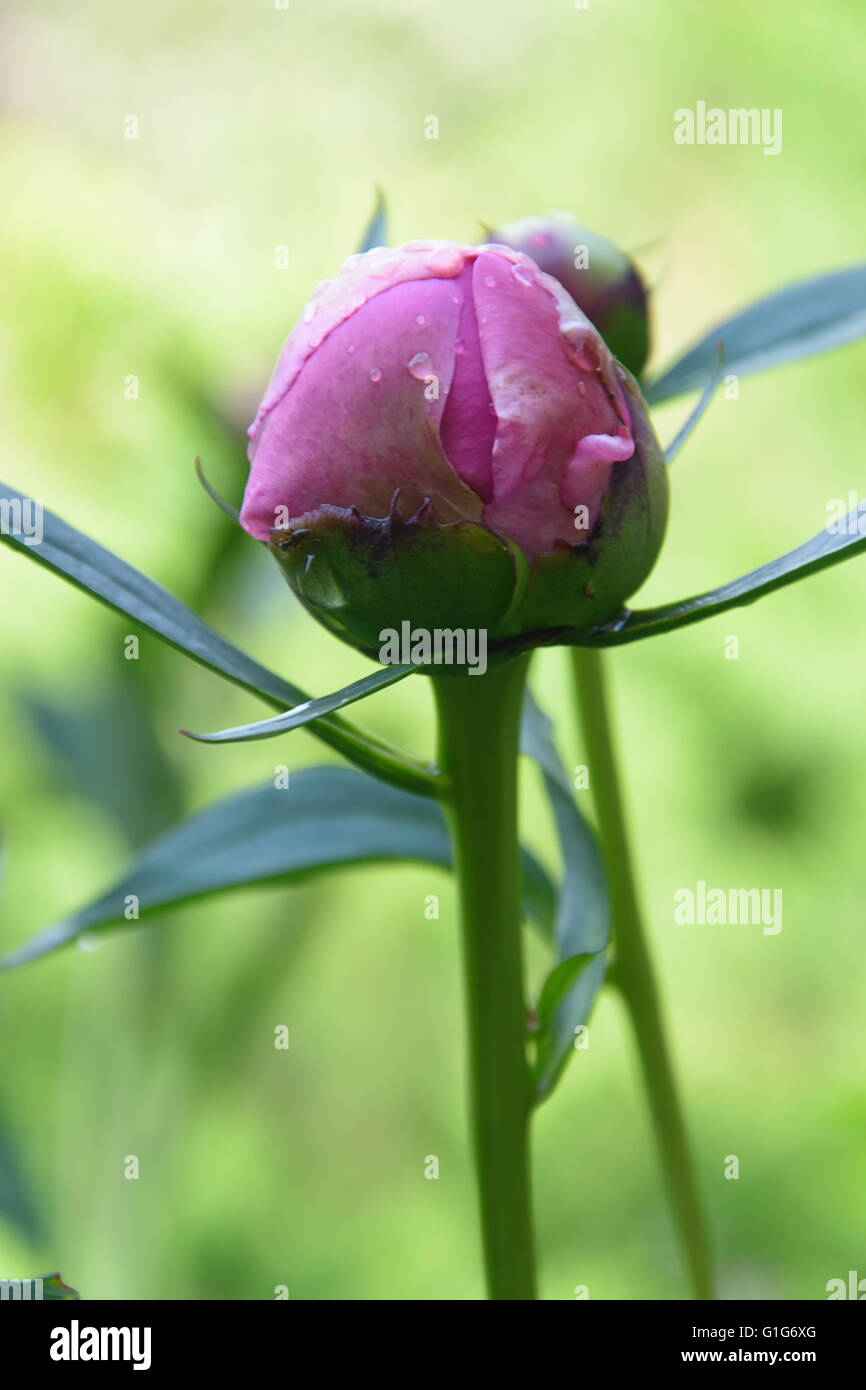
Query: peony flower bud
point(600, 278)
point(447, 441)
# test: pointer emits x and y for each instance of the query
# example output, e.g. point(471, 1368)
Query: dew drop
point(375, 374)
point(490, 281)
point(310, 311)
point(445, 260)
point(420, 366)
point(581, 386)
point(382, 268)
point(522, 273)
point(351, 349)
point(460, 347)
point(420, 320)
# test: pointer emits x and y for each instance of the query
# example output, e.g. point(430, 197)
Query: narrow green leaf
point(556, 1045)
point(53, 1288)
point(684, 433)
point(556, 987)
point(96, 571)
point(583, 916)
point(809, 317)
point(111, 726)
point(224, 506)
point(16, 1199)
point(825, 549)
point(583, 919)
point(43, 1288)
point(326, 817)
point(375, 233)
point(312, 709)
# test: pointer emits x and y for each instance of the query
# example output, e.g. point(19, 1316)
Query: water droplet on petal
point(420, 366)
point(375, 374)
point(620, 371)
point(446, 260)
point(351, 349)
point(420, 320)
point(460, 347)
point(490, 281)
point(351, 261)
point(310, 311)
point(522, 273)
point(585, 358)
point(581, 386)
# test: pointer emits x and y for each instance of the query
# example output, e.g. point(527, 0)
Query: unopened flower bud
point(600, 278)
point(447, 440)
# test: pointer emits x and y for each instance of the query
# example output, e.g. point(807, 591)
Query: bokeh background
point(260, 128)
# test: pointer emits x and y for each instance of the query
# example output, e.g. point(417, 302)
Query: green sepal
point(362, 576)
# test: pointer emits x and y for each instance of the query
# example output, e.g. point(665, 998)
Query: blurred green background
point(154, 257)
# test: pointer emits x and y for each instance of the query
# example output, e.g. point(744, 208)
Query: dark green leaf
point(111, 728)
point(694, 418)
point(53, 1288)
point(556, 1043)
point(16, 1202)
point(809, 317)
point(110, 579)
point(44, 1288)
point(583, 916)
point(326, 817)
point(312, 709)
point(375, 233)
point(88, 566)
point(224, 506)
point(556, 987)
point(819, 553)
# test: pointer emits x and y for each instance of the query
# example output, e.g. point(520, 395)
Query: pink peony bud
point(442, 383)
point(596, 273)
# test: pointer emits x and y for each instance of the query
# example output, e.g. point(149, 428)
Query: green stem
point(479, 724)
point(635, 976)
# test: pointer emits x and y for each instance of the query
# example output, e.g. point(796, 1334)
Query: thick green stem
point(479, 724)
point(634, 974)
